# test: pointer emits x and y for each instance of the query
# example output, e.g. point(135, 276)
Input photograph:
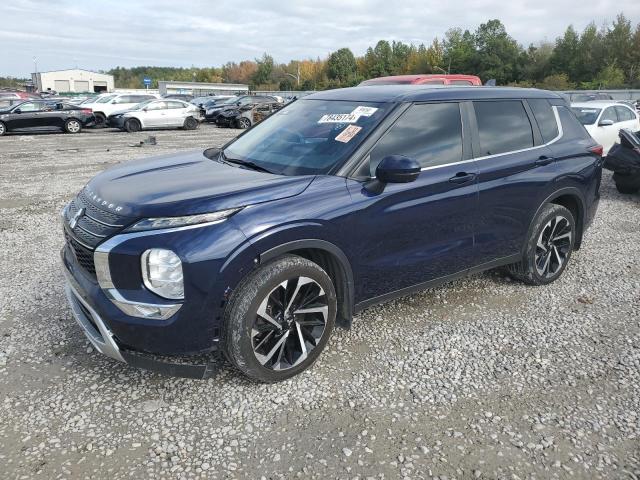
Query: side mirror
point(397, 169)
point(145, 109)
point(17, 110)
point(605, 123)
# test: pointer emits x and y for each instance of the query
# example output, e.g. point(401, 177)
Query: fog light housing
point(162, 273)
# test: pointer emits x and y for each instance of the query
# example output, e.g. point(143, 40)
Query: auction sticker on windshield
point(364, 111)
point(348, 133)
point(339, 118)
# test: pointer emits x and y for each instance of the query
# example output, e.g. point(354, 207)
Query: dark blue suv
point(339, 201)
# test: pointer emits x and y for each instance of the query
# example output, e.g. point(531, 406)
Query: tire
point(549, 247)
point(627, 184)
point(101, 120)
point(72, 125)
point(270, 347)
point(190, 123)
point(132, 125)
point(243, 123)
point(3, 129)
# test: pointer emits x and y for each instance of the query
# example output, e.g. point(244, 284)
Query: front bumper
point(103, 340)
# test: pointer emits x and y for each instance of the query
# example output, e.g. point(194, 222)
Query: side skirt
point(436, 282)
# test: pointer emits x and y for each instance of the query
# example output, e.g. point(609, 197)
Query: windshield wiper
point(244, 163)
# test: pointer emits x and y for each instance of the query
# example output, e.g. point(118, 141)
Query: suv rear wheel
point(549, 248)
point(279, 319)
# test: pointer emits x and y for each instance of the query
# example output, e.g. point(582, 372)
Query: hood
point(186, 184)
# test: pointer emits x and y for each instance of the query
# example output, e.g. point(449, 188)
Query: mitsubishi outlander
point(339, 201)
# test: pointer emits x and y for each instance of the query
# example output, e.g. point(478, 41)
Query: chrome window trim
point(486, 157)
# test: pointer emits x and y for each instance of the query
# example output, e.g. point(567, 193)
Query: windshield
point(308, 137)
point(105, 99)
point(586, 115)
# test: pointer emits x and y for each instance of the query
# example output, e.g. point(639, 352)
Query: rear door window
point(545, 118)
point(176, 105)
point(429, 133)
point(609, 114)
point(503, 126)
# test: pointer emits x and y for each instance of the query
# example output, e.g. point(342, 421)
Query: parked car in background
point(115, 102)
point(210, 98)
point(44, 115)
point(18, 94)
point(341, 200)
point(179, 96)
point(165, 113)
point(425, 79)
point(246, 116)
point(590, 97)
point(623, 160)
point(233, 103)
point(6, 102)
point(604, 119)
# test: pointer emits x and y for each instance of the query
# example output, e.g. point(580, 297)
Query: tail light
point(87, 110)
point(598, 150)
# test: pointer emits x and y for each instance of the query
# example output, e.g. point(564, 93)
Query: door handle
point(463, 177)
point(544, 160)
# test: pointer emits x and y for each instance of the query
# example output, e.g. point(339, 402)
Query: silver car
point(154, 114)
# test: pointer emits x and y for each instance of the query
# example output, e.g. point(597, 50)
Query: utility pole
point(297, 76)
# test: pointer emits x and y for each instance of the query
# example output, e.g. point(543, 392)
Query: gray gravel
point(482, 378)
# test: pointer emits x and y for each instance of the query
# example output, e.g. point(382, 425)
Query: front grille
point(92, 227)
point(83, 255)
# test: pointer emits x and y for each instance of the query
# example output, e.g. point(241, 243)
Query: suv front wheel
point(549, 247)
point(279, 319)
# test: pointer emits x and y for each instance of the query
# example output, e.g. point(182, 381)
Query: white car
point(167, 113)
point(116, 102)
point(603, 119)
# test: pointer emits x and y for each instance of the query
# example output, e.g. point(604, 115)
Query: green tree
point(342, 67)
point(497, 54)
point(565, 53)
point(459, 51)
point(558, 81)
point(262, 75)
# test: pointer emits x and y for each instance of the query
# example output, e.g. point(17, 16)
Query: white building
point(76, 80)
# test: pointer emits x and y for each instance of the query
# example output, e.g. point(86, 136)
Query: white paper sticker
point(348, 133)
point(339, 118)
point(362, 111)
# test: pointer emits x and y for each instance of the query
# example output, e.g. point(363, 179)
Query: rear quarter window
point(545, 118)
point(572, 129)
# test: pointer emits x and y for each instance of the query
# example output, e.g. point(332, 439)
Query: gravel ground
point(482, 378)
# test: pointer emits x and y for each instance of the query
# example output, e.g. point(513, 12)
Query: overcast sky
point(104, 34)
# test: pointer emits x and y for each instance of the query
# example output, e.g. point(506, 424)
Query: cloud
point(102, 35)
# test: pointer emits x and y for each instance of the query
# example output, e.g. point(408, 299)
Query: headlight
point(162, 273)
point(173, 222)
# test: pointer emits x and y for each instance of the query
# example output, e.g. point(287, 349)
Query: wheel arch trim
point(573, 192)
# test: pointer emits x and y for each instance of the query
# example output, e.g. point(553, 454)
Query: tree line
point(598, 57)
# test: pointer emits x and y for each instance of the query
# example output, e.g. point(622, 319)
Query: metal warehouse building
point(199, 88)
point(79, 81)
